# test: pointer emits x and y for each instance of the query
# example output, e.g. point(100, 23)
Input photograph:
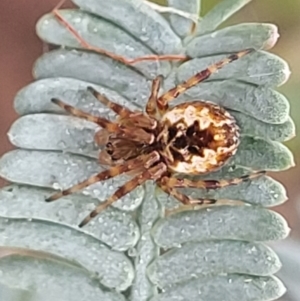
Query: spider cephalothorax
point(196, 137)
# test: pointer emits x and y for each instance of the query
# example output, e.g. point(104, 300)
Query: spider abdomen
point(197, 137)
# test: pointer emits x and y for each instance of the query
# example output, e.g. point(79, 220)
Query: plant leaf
point(113, 227)
point(230, 287)
point(258, 68)
point(93, 68)
point(220, 13)
point(113, 269)
point(139, 20)
point(242, 223)
point(51, 279)
point(63, 171)
point(99, 33)
point(260, 102)
point(194, 260)
point(233, 39)
point(182, 26)
point(221, 254)
point(263, 191)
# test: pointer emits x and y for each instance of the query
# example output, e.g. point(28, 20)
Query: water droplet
point(56, 186)
point(62, 145)
point(77, 20)
point(129, 48)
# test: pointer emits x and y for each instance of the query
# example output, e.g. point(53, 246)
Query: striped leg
point(136, 118)
point(105, 123)
point(145, 161)
point(138, 134)
point(209, 184)
point(151, 107)
point(84, 44)
point(153, 173)
point(162, 101)
point(184, 199)
point(118, 109)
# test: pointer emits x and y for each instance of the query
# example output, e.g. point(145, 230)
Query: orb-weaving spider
point(191, 138)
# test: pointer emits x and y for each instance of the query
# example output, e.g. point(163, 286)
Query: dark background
point(20, 47)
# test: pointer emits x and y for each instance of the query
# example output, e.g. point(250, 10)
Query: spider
point(191, 138)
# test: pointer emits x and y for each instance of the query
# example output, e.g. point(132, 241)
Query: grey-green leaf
point(233, 39)
point(195, 260)
point(63, 171)
point(139, 20)
point(220, 222)
point(36, 97)
point(47, 279)
point(113, 268)
point(261, 154)
point(99, 33)
point(65, 133)
point(220, 13)
point(183, 26)
point(260, 102)
point(259, 68)
point(203, 253)
point(93, 68)
point(113, 227)
point(146, 250)
point(262, 191)
point(229, 287)
point(258, 129)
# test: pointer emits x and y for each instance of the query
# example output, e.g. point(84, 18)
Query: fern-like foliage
point(131, 251)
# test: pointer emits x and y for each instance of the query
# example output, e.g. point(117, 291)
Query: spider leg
point(184, 199)
point(209, 184)
point(152, 173)
point(138, 135)
point(118, 109)
point(162, 101)
point(137, 119)
point(151, 107)
point(105, 123)
point(145, 160)
point(83, 43)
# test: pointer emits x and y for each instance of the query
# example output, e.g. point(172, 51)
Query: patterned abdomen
point(198, 137)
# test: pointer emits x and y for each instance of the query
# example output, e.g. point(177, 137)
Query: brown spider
point(190, 138)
